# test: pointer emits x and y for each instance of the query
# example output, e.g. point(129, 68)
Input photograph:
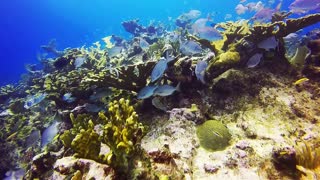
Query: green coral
point(213, 135)
point(123, 134)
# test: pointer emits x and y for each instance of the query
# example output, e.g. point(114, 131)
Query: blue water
point(26, 25)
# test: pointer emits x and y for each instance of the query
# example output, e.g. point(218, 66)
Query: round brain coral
point(213, 135)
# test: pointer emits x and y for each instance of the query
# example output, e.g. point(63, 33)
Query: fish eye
point(29, 103)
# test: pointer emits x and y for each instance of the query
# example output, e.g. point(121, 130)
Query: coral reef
point(121, 132)
point(240, 37)
point(102, 136)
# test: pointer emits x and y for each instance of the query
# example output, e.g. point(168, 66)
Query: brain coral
point(213, 135)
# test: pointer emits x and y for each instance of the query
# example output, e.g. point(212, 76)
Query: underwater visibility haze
point(160, 89)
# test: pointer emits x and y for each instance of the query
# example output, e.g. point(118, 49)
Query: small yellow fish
point(12, 136)
point(283, 153)
point(302, 80)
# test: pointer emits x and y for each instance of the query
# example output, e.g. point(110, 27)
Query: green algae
point(213, 135)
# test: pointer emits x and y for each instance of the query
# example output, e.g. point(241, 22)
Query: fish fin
point(178, 87)
point(168, 58)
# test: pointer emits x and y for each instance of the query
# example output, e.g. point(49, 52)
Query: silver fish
point(269, 43)
point(205, 32)
point(33, 138)
point(34, 100)
point(254, 60)
point(158, 103)
point(159, 69)
point(208, 33)
point(304, 6)
point(265, 14)
point(99, 94)
point(49, 133)
point(190, 48)
point(200, 70)
point(79, 62)
point(15, 174)
point(217, 134)
point(146, 92)
point(6, 112)
point(166, 90)
point(193, 14)
point(143, 44)
point(115, 51)
point(241, 9)
point(68, 98)
point(92, 108)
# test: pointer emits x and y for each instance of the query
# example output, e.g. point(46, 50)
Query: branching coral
point(83, 140)
point(123, 134)
point(242, 39)
point(281, 28)
point(80, 123)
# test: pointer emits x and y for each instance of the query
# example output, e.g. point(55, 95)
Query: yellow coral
point(229, 57)
point(122, 133)
point(308, 160)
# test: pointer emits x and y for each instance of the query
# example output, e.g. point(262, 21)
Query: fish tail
point(279, 6)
